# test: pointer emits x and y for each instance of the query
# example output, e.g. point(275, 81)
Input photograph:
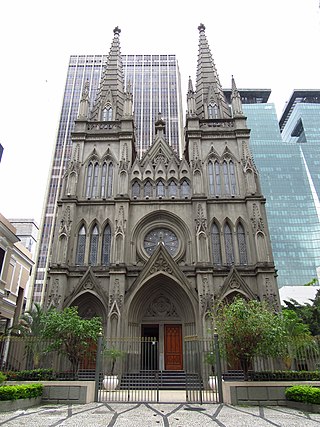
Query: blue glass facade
point(290, 180)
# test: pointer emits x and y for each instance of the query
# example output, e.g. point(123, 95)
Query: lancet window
point(106, 246)
point(136, 189)
point(94, 240)
point(81, 246)
point(160, 189)
point(213, 112)
point(148, 189)
point(185, 188)
point(172, 189)
point(216, 244)
point(243, 259)
point(107, 114)
point(228, 244)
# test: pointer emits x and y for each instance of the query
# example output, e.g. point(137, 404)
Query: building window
point(213, 112)
point(242, 245)
point(95, 180)
point(232, 177)
point(136, 189)
point(94, 246)
point(211, 177)
point(185, 188)
point(81, 246)
point(106, 180)
point(228, 245)
point(172, 189)
point(147, 189)
point(2, 255)
point(226, 177)
point(106, 246)
point(89, 180)
point(216, 246)
point(160, 189)
point(107, 114)
point(217, 177)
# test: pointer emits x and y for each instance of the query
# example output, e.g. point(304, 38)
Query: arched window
point(172, 189)
point(110, 180)
point(147, 189)
point(216, 246)
point(94, 246)
point(89, 180)
point(232, 177)
point(136, 189)
point(81, 246)
point(160, 189)
point(106, 246)
point(228, 244)
point(242, 245)
point(106, 180)
point(226, 177)
point(107, 114)
point(211, 177)
point(95, 180)
point(185, 188)
point(213, 112)
point(217, 177)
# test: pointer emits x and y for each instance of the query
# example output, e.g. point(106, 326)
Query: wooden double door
point(171, 344)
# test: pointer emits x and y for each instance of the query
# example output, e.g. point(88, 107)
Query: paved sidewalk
point(154, 415)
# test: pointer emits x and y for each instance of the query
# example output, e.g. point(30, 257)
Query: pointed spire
point(191, 103)
point(236, 103)
point(84, 103)
point(208, 88)
point(110, 97)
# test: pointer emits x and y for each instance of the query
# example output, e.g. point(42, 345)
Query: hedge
point(303, 393)
point(30, 375)
point(14, 392)
point(284, 376)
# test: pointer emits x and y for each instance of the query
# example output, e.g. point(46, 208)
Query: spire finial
point(201, 28)
point(116, 31)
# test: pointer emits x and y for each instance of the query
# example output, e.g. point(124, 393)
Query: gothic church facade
point(150, 244)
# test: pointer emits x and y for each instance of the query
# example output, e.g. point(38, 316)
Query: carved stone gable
point(161, 264)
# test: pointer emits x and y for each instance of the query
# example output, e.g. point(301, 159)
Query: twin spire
point(206, 102)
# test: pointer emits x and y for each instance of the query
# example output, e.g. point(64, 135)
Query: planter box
point(14, 405)
point(304, 407)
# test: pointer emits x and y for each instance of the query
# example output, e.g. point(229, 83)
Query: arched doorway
point(165, 310)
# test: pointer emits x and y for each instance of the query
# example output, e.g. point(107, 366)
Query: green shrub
point(285, 376)
point(31, 375)
point(2, 377)
point(303, 393)
point(14, 392)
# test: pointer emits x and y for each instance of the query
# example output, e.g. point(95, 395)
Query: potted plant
point(110, 381)
point(210, 359)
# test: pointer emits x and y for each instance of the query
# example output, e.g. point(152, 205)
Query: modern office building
point(150, 242)
point(27, 231)
point(155, 83)
point(288, 163)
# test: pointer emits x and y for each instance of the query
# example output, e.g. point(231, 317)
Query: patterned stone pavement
point(154, 415)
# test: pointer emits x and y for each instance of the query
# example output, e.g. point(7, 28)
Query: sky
point(265, 44)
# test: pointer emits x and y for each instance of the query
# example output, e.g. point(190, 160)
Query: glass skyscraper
point(288, 159)
point(155, 82)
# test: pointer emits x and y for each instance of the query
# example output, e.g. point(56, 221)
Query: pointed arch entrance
point(163, 309)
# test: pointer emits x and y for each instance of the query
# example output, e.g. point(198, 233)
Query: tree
point(248, 329)
point(71, 334)
point(30, 325)
point(298, 337)
point(308, 313)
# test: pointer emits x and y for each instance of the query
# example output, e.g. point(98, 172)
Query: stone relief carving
point(256, 219)
point(201, 220)
point(116, 296)
point(161, 307)
point(65, 223)
point(120, 222)
point(270, 295)
point(55, 297)
point(161, 265)
point(206, 296)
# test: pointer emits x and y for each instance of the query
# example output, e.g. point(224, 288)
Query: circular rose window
point(159, 236)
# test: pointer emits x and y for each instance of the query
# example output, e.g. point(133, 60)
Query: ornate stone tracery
point(161, 307)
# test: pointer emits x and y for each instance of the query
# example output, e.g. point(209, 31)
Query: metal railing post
point(98, 367)
point(218, 365)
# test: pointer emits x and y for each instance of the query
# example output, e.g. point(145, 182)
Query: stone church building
point(150, 244)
